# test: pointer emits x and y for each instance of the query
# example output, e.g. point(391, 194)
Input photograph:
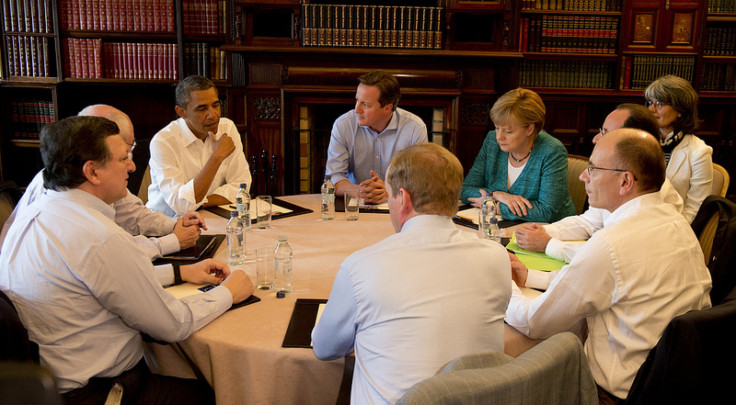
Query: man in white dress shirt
point(83, 288)
point(196, 160)
point(421, 297)
point(155, 233)
point(563, 238)
point(632, 277)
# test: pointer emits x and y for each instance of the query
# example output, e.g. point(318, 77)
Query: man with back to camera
point(364, 139)
point(632, 277)
point(197, 159)
point(397, 303)
point(563, 238)
point(83, 288)
point(155, 233)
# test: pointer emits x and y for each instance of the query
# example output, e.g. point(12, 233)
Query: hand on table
point(208, 271)
point(373, 191)
point(532, 237)
point(478, 201)
point(516, 203)
point(519, 272)
point(239, 285)
point(192, 218)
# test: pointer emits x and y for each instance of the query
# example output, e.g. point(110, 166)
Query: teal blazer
point(543, 181)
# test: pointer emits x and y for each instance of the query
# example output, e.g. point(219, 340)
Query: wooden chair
point(9, 196)
point(721, 180)
point(575, 165)
point(145, 182)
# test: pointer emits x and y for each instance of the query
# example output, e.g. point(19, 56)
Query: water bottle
point(242, 204)
point(282, 257)
point(328, 200)
point(235, 240)
point(488, 219)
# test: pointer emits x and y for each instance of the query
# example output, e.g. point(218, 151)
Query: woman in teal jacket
point(519, 165)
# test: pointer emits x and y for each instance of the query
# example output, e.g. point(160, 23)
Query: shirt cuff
point(538, 279)
point(169, 244)
point(555, 249)
point(164, 274)
point(552, 230)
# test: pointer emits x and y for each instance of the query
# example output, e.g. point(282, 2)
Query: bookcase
point(287, 68)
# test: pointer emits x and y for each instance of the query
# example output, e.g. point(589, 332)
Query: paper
point(184, 290)
point(470, 214)
point(381, 206)
point(275, 209)
point(534, 260)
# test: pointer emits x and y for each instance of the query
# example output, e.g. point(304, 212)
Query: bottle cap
point(233, 214)
point(243, 185)
point(282, 238)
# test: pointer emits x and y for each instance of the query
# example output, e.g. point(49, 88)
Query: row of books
point(28, 56)
point(200, 58)
point(720, 41)
point(722, 6)
point(93, 59)
point(566, 74)
point(569, 33)
point(28, 16)
point(29, 117)
point(719, 77)
point(348, 25)
point(204, 16)
point(640, 70)
point(572, 5)
point(117, 15)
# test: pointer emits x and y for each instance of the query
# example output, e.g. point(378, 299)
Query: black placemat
point(299, 332)
point(206, 255)
point(295, 210)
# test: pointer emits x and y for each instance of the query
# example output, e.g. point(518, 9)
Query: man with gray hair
point(196, 160)
point(397, 303)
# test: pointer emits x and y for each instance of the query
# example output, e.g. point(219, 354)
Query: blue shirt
point(356, 150)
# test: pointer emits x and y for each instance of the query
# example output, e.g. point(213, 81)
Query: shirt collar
point(83, 198)
point(189, 137)
point(632, 207)
point(393, 124)
point(427, 221)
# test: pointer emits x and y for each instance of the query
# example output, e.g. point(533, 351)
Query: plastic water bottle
point(235, 240)
point(489, 221)
point(282, 257)
point(328, 200)
point(242, 204)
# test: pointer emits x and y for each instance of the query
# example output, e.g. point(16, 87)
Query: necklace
point(522, 159)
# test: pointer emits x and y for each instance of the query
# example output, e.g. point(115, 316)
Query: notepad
point(534, 260)
point(204, 246)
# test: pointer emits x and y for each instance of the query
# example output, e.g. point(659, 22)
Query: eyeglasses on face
point(602, 131)
point(591, 168)
point(655, 103)
point(132, 145)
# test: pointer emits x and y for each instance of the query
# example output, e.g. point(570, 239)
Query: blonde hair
point(432, 176)
point(524, 105)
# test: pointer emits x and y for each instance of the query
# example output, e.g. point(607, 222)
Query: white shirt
point(85, 291)
point(629, 280)
point(177, 157)
point(411, 303)
point(130, 214)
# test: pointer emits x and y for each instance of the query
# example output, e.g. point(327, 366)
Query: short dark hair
point(644, 158)
point(640, 118)
point(67, 144)
point(388, 87)
point(189, 84)
point(681, 95)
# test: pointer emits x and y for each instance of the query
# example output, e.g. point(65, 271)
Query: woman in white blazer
point(674, 104)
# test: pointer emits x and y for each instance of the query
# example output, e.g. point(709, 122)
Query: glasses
point(602, 131)
point(590, 169)
point(132, 145)
point(656, 104)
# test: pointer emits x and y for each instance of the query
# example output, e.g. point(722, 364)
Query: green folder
point(534, 260)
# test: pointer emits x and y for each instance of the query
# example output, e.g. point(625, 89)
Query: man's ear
point(627, 184)
point(180, 111)
point(407, 205)
point(89, 169)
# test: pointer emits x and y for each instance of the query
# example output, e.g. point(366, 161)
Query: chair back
point(14, 342)
point(145, 182)
point(715, 225)
point(575, 165)
point(9, 196)
point(27, 384)
point(556, 369)
point(721, 180)
point(690, 363)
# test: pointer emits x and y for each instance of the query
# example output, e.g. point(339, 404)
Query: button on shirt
point(85, 291)
point(631, 278)
point(356, 150)
point(177, 157)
